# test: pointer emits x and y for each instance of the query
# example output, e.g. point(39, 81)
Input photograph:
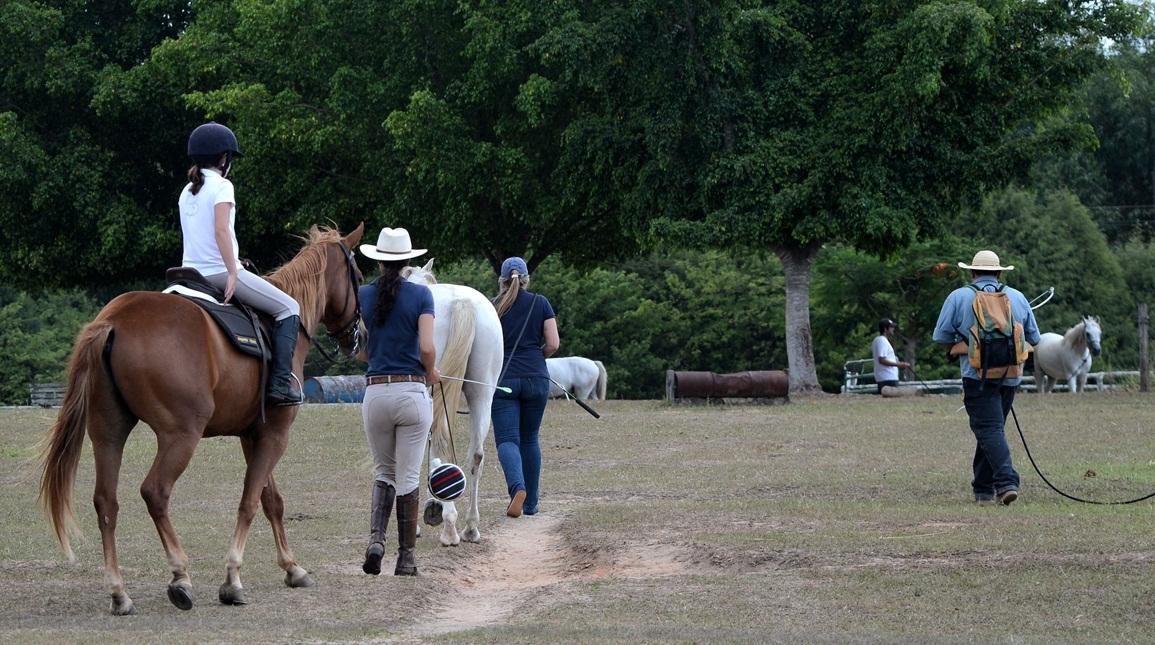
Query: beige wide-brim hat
point(392, 244)
point(985, 261)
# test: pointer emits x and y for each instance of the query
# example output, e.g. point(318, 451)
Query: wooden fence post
point(1143, 378)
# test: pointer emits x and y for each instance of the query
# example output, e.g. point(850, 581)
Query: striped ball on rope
point(446, 481)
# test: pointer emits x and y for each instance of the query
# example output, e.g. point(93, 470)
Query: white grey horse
point(467, 334)
point(1067, 357)
point(581, 377)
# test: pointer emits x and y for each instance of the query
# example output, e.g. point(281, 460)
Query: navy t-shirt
point(394, 347)
point(527, 359)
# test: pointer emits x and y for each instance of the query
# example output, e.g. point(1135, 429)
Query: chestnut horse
point(160, 359)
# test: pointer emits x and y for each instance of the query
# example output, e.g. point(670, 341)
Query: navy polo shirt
point(394, 347)
point(526, 360)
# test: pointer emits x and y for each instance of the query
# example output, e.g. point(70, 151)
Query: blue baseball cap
point(513, 264)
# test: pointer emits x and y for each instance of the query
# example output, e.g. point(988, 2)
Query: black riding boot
point(406, 534)
point(378, 521)
point(282, 388)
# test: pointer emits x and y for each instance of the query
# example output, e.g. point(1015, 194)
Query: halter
point(353, 326)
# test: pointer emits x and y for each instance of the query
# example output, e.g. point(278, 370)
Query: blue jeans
point(987, 406)
point(516, 424)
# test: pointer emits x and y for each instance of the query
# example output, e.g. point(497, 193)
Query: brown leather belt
point(394, 378)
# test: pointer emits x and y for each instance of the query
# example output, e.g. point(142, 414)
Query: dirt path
point(530, 558)
point(528, 554)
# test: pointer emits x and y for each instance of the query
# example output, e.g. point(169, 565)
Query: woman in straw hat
point(208, 212)
point(987, 400)
point(529, 326)
point(397, 410)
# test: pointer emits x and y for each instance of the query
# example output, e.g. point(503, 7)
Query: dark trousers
point(987, 404)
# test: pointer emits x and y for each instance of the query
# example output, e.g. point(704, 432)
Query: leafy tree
point(82, 180)
point(1114, 177)
point(867, 123)
point(36, 334)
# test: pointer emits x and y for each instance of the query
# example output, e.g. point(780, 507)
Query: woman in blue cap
point(529, 326)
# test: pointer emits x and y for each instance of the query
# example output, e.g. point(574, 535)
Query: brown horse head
point(324, 279)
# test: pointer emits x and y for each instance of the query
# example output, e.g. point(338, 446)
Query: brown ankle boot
point(382, 508)
point(406, 534)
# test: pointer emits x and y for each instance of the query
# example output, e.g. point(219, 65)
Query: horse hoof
point(432, 513)
point(471, 535)
point(300, 581)
point(180, 596)
point(125, 608)
point(230, 595)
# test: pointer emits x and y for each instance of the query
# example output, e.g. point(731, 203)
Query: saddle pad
point(234, 322)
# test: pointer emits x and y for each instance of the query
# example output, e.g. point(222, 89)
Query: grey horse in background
point(1067, 357)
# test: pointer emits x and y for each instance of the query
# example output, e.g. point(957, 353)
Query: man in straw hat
point(988, 400)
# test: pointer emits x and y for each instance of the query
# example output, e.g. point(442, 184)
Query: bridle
point(349, 333)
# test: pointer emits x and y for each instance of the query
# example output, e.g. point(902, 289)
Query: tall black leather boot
point(283, 389)
point(383, 494)
point(406, 534)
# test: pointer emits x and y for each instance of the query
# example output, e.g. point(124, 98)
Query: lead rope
point(1053, 487)
point(448, 430)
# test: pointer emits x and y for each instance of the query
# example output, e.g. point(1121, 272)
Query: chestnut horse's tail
point(452, 362)
point(60, 450)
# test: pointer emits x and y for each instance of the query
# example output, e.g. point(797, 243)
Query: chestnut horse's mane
point(303, 277)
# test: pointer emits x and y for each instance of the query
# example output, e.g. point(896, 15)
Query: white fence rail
point(858, 378)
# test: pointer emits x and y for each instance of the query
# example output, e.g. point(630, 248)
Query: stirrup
point(272, 395)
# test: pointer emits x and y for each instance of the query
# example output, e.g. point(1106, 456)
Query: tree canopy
point(589, 131)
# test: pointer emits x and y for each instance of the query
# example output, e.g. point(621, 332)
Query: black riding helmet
point(884, 324)
point(209, 141)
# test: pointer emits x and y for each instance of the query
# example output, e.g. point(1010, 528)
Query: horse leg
point(449, 535)
point(479, 427)
point(108, 439)
point(473, 515)
point(174, 451)
point(268, 444)
point(274, 507)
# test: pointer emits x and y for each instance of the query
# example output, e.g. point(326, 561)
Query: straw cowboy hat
point(985, 261)
point(392, 244)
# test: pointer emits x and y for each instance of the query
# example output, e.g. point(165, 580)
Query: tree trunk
point(796, 264)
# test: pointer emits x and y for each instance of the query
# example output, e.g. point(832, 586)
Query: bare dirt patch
point(529, 556)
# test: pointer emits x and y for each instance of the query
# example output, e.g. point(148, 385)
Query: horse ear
point(354, 237)
point(428, 266)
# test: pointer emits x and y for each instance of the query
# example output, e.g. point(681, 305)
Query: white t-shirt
point(881, 349)
point(198, 224)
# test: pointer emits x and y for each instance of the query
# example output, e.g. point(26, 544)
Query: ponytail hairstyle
point(388, 285)
point(507, 291)
point(220, 162)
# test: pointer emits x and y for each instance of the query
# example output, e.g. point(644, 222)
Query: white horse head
point(420, 275)
point(1092, 335)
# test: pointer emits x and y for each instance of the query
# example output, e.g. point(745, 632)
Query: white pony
point(1067, 357)
point(467, 334)
point(582, 377)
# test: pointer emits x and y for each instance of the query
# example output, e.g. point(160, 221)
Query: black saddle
point(247, 328)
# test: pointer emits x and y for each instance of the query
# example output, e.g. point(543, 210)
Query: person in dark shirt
point(529, 326)
point(397, 410)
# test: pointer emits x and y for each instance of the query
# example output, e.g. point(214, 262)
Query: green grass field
point(829, 519)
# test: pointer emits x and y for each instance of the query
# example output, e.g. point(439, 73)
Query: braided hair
point(388, 285)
